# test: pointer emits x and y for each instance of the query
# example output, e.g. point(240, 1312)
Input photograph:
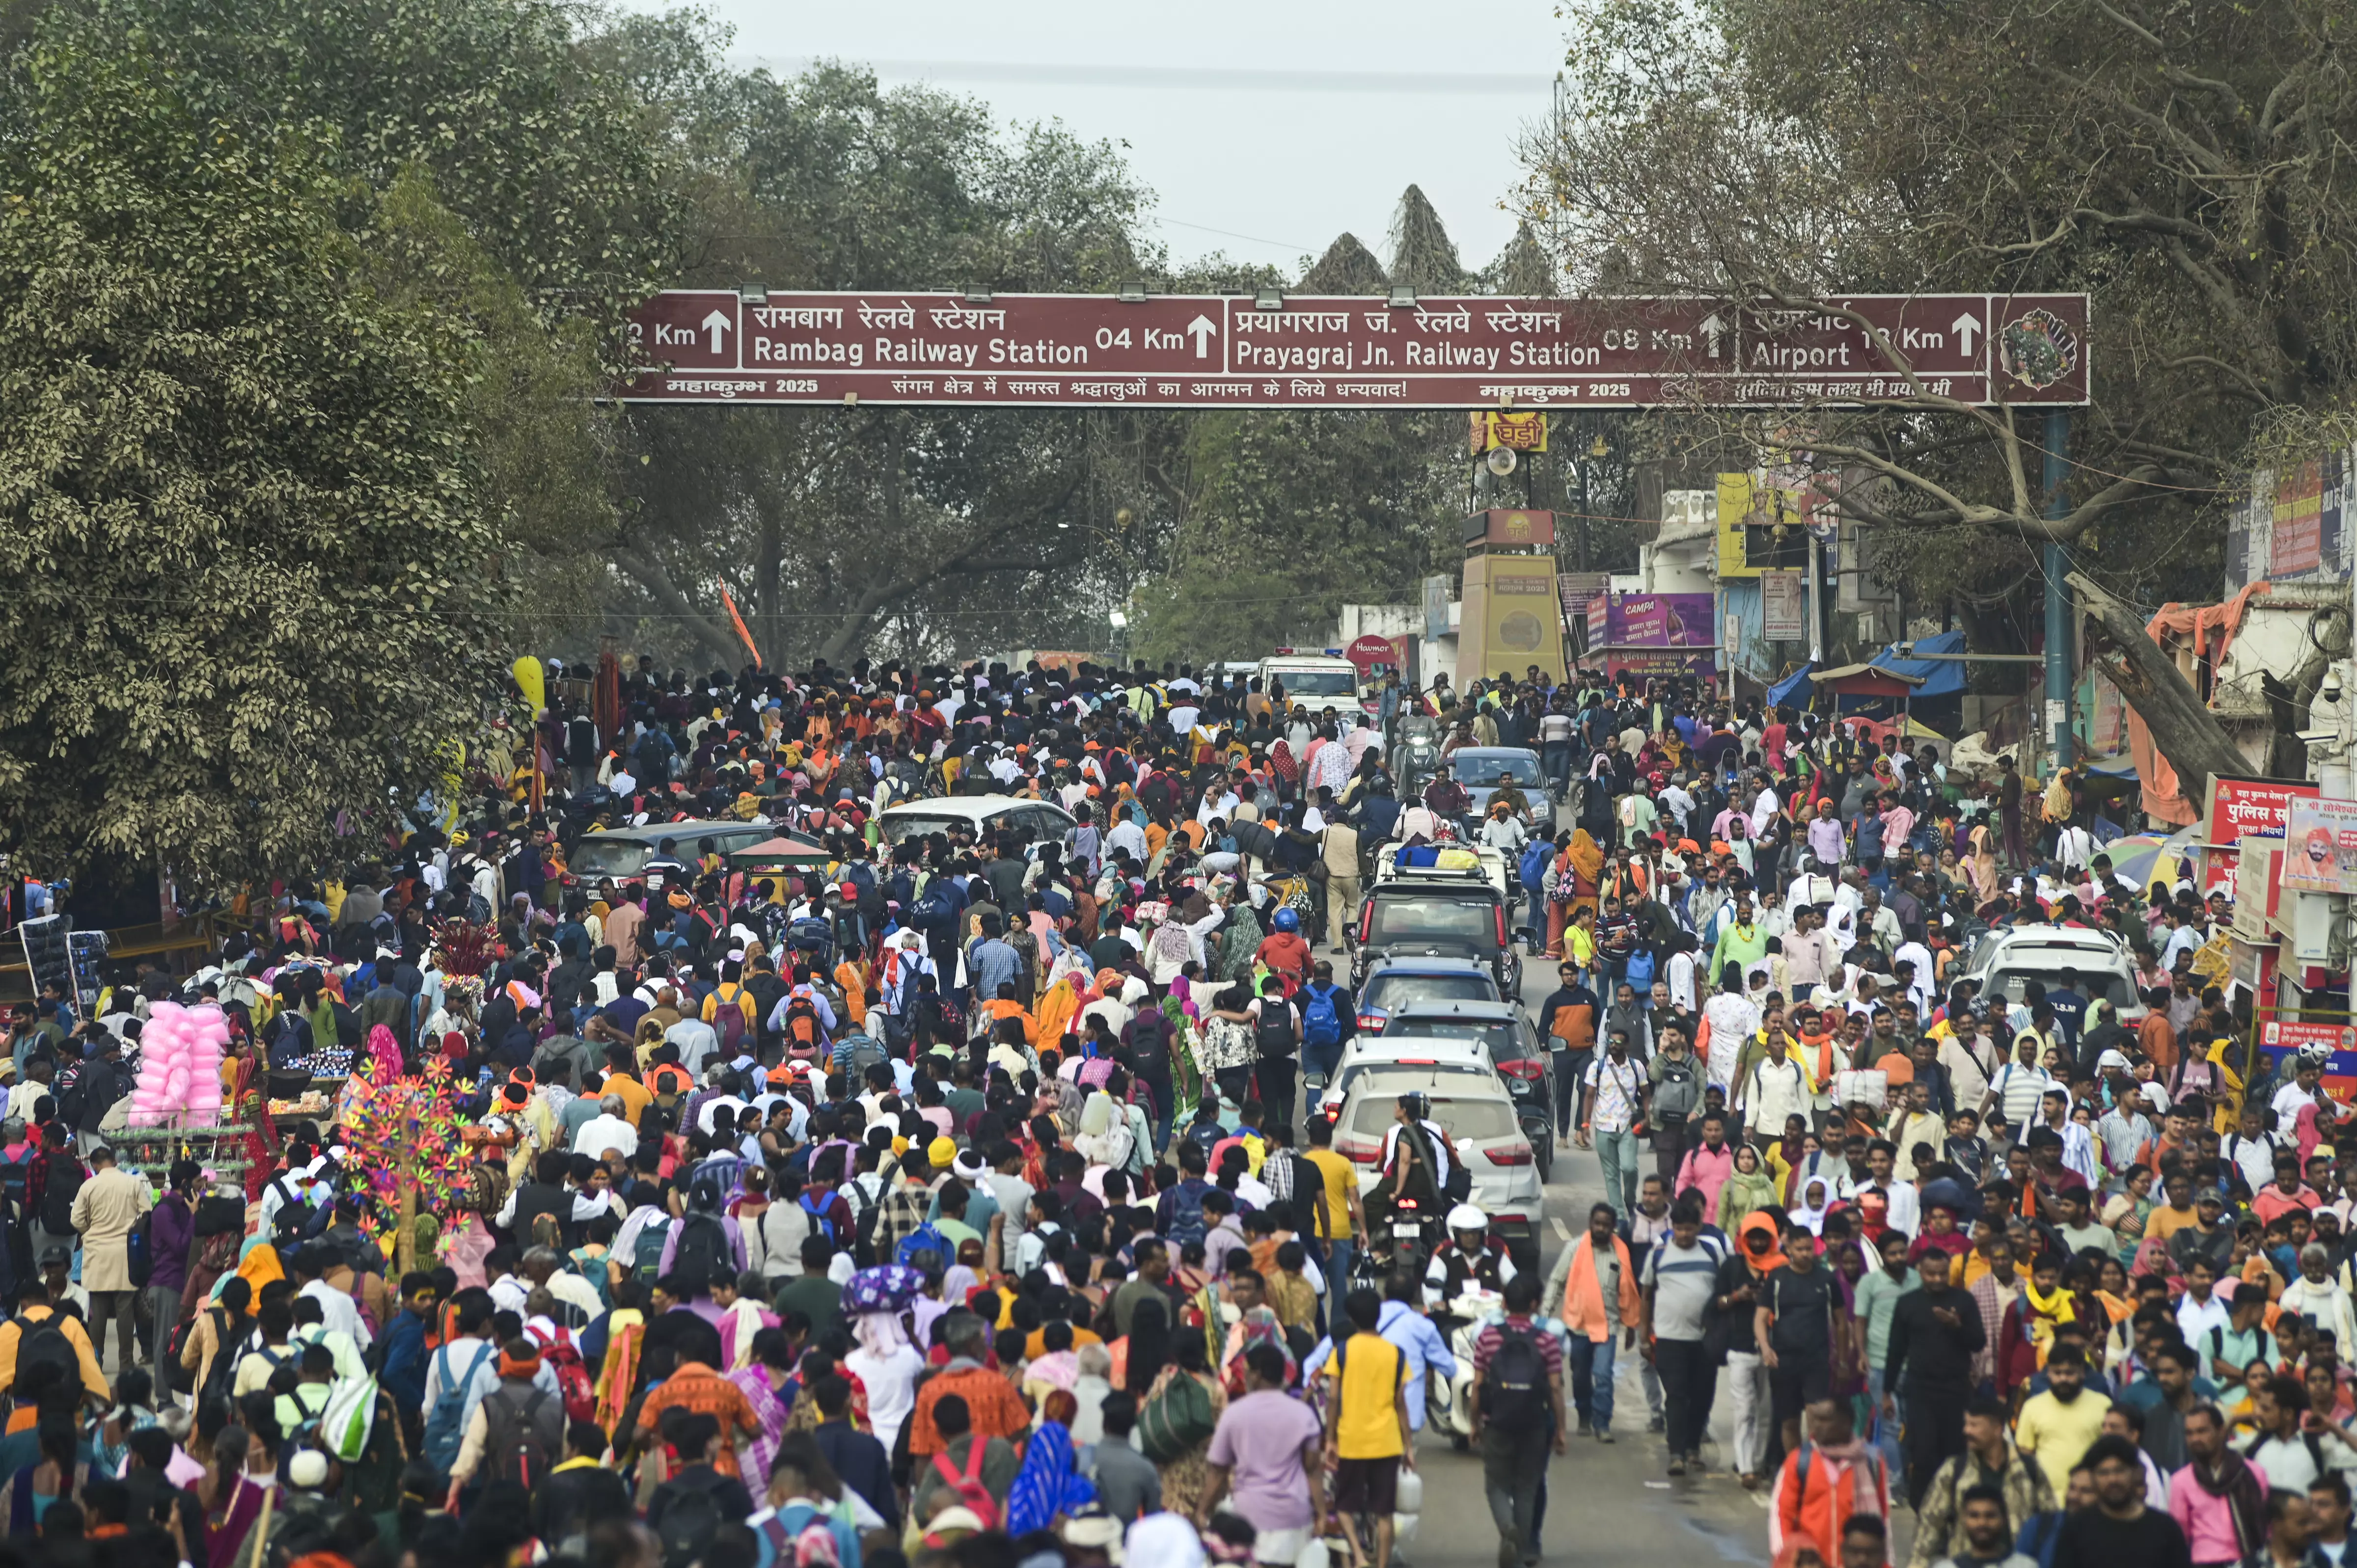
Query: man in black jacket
point(1934, 1334)
point(580, 1494)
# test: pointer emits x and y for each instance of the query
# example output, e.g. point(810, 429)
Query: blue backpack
point(1532, 869)
point(1321, 1024)
point(1186, 1214)
point(926, 1238)
point(445, 1423)
point(1640, 971)
point(818, 1220)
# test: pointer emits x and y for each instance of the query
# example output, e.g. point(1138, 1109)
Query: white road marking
point(1562, 1232)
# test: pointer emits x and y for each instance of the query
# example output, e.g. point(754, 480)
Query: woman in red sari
point(245, 1090)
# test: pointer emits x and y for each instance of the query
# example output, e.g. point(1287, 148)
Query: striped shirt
point(1485, 1344)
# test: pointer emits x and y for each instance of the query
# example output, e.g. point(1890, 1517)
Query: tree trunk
point(2180, 722)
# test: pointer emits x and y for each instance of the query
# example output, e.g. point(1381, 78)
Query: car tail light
point(1358, 1150)
point(1419, 1061)
point(1526, 1068)
point(1520, 1155)
point(1367, 923)
point(1501, 925)
point(1371, 1020)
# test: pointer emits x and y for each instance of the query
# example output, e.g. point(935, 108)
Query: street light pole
point(2058, 594)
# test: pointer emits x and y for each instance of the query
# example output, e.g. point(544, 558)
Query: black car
point(1429, 913)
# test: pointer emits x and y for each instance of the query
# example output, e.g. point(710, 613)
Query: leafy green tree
point(253, 585)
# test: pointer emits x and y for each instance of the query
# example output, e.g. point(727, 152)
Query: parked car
point(1477, 1117)
point(621, 853)
point(982, 815)
point(1366, 1051)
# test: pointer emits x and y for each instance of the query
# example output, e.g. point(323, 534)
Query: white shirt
point(2196, 1319)
point(1681, 979)
point(601, 1133)
point(339, 1313)
point(1618, 1092)
point(2255, 1157)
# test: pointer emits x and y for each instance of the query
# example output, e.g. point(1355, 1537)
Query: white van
point(1316, 680)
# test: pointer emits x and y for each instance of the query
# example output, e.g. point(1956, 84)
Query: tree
point(2179, 163)
point(831, 527)
point(253, 585)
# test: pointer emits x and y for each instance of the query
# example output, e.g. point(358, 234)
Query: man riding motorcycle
point(1471, 1259)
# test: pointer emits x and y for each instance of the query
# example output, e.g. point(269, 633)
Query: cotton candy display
point(180, 1067)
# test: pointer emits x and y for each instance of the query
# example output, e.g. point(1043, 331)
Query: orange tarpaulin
point(2211, 630)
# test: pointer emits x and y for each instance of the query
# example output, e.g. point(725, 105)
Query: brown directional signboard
point(1215, 352)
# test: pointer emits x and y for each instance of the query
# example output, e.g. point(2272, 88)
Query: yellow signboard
point(1522, 432)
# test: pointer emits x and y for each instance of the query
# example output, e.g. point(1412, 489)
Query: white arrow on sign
point(717, 324)
point(1204, 329)
point(1965, 326)
point(1711, 327)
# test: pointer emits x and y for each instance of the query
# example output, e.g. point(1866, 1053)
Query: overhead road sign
point(1213, 351)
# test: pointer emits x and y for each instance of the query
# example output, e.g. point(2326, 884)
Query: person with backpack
point(517, 1433)
point(689, 1507)
point(1328, 1019)
point(1517, 1411)
point(1276, 1036)
point(1677, 1279)
point(39, 1334)
point(1826, 1484)
point(458, 1376)
point(970, 1470)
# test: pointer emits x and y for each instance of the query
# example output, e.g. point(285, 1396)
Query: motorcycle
point(1406, 1237)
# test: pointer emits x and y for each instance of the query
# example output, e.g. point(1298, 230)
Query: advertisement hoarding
point(2240, 807)
point(2280, 1038)
point(1784, 606)
point(2320, 847)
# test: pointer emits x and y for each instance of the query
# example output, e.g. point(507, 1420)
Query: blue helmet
point(1288, 920)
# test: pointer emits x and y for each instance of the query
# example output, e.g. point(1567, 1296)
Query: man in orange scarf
point(1597, 1285)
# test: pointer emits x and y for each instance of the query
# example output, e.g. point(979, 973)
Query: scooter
point(1448, 1402)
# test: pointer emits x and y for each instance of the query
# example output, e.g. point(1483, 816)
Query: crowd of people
point(948, 1204)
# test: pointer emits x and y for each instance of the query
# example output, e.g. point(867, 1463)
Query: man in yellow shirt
point(2056, 1428)
point(1366, 1433)
point(1339, 1222)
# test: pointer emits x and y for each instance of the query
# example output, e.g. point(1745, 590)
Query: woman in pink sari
point(771, 1365)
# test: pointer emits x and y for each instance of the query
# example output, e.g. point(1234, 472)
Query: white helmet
point(2316, 1053)
point(1465, 1217)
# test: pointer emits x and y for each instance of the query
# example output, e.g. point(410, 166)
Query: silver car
point(1471, 1107)
point(1478, 768)
point(2090, 962)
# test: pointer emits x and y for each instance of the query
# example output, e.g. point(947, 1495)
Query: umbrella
point(2147, 858)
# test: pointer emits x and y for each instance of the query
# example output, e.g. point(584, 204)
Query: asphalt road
point(1611, 1503)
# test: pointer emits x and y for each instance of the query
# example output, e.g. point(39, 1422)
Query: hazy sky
point(1265, 127)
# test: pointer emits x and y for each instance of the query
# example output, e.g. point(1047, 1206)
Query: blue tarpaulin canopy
point(1797, 681)
point(1941, 677)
